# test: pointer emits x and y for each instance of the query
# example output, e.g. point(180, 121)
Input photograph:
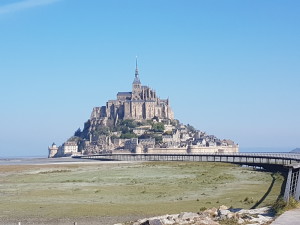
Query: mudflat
point(96, 192)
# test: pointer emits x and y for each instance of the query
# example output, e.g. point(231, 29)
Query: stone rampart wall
point(122, 152)
point(167, 151)
point(217, 149)
point(194, 150)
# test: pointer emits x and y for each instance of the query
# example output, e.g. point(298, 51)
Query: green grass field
point(145, 189)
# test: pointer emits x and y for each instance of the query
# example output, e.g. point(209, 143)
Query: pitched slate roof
point(124, 93)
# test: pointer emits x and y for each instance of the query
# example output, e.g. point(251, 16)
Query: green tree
point(124, 129)
point(74, 138)
point(190, 128)
point(102, 130)
point(129, 123)
point(158, 127)
point(78, 132)
point(128, 136)
point(158, 139)
point(175, 122)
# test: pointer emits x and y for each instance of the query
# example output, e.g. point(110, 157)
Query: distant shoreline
point(51, 161)
point(24, 157)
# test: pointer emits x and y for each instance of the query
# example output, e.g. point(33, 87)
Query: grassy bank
point(145, 189)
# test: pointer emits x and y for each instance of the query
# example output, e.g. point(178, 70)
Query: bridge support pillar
point(286, 196)
point(297, 193)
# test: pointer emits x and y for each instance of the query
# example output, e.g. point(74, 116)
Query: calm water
point(39, 161)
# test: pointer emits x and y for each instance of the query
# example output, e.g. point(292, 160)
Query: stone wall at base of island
point(194, 150)
point(167, 150)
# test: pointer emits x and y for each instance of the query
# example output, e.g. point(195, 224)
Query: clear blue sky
point(230, 68)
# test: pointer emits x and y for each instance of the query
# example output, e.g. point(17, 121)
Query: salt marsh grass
point(144, 189)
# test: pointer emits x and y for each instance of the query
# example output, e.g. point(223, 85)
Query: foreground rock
point(213, 216)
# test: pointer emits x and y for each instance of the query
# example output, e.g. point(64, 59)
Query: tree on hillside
point(128, 123)
point(158, 127)
point(128, 135)
point(191, 128)
point(75, 139)
point(101, 130)
point(158, 139)
point(78, 132)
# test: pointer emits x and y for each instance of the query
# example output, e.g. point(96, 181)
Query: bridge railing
point(242, 158)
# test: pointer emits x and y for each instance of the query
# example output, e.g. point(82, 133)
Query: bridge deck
point(241, 158)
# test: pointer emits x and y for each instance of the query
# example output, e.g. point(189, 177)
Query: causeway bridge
point(287, 163)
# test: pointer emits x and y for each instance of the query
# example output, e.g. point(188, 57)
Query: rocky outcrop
point(212, 216)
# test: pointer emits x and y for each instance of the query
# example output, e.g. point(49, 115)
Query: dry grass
point(280, 206)
point(145, 189)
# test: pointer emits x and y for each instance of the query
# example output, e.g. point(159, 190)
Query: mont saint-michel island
point(139, 122)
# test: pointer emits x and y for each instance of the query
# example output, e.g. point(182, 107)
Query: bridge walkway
point(291, 217)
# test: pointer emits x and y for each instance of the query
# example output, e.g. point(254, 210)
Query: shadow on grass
point(267, 193)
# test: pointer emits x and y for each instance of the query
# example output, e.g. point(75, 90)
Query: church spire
point(136, 78)
point(136, 67)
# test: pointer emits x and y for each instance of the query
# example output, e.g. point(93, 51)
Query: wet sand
point(104, 220)
point(47, 161)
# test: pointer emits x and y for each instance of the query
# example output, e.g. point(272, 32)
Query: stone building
point(53, 149)
point(141, 103)
point(147, 143)
point(69, 148)
point(131, 144)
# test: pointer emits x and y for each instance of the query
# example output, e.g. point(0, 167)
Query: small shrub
point(76, 189)
point(248, 200)
point(54, 171)
point(231, 221)
point(202, 209)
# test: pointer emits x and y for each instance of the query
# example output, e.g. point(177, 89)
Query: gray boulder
point(188, 216)
point(152, 222)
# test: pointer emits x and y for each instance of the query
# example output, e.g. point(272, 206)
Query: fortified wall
point(194, 150)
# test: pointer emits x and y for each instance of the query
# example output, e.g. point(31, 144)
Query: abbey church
point(141, 103)
point(139, 122)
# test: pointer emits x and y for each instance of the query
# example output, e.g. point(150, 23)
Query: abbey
point(141, 103)
point(139, 122)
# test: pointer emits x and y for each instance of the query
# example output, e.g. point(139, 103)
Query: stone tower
point(52, 150)
point(136, 84)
